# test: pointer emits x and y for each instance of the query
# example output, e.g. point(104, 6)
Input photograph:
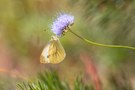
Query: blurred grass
point(50, 81)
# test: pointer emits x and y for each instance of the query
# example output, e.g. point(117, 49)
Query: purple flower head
point(61, 23)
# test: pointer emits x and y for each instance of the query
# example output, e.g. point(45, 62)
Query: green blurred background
point(25, 30)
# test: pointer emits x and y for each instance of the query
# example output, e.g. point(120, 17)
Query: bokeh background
point(25, 30)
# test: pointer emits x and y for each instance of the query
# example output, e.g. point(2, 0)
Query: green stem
point(103, 45)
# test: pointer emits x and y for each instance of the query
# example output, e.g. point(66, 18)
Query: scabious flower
point(61, 23)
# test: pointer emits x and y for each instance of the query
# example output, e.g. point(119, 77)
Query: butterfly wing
point(44, 55)
point(56, 52)
point(53, 53)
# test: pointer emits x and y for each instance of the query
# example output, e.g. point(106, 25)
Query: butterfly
point(53, 52)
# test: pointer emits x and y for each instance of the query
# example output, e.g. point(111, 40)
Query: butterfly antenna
point(48, 31)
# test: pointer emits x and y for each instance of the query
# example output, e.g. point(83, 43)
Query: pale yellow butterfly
point(53, 52)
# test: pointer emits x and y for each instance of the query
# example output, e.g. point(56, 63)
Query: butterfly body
point(53, 52)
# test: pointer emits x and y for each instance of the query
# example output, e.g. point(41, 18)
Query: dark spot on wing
point(48, 56)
